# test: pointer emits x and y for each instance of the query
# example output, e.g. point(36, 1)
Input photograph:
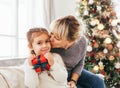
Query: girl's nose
point(44, 45)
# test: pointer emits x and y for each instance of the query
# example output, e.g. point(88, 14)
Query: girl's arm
point(31, 77)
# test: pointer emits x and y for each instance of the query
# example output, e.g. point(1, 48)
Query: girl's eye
point(39, 43)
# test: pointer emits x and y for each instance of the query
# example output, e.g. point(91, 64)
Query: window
point(16, 17)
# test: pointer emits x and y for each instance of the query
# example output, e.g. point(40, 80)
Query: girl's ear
point(31, 49)
point(30, 46)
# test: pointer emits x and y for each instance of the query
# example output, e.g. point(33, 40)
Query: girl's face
point(57, 42)
point(41, 44)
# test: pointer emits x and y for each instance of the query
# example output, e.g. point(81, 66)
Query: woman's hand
point(50, 58)
point(72, 84)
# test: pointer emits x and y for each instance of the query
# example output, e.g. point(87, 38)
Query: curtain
point(49, 12)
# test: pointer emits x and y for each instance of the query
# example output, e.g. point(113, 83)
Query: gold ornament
point(111, 58)
point(95, 69)
point(107, 41)
point(96, 45)
point(84, 2)
point(113, 13)
point(109, 9)
point(109, 46)
point(96, 21)
point(101, 67)
point(100, 55)
point(100, 26)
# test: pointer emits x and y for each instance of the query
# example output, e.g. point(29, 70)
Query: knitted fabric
point(40, 63)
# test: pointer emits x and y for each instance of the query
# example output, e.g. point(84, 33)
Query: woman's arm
point(79, 67)
point(82, 53)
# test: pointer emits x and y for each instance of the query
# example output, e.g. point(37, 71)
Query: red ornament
point(92, 61)
point(107, 18)
point(103, 72)
point(93, 11)
point(92, 54)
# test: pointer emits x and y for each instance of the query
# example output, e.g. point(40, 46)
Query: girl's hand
point(30, 59)
point(72, 84)
point(50, 58)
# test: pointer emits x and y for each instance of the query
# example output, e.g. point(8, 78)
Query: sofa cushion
point(12, 62)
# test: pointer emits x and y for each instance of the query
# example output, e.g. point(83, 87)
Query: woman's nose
point(51, 38)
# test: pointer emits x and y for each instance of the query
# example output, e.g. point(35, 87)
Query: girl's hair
point(34, 32)
point(67, 27)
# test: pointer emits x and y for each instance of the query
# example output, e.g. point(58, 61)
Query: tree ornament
point(99, 8)
point(96, 45)
point(117, 65)
point(100, 63)
point(101, 67)
point(92, 23)
point(107, 41)
point(89, 48)
point(107, 18)
point(93, 10)
point(95, 69)
point(86, 12)
point(113, 13)
point(92, 54)
point(96, 21)
point(109, 46)
point(101, 55)
point(90, 2)
point(114, 22)
point(84, 2)
point(103, 72)
point(105, 51)
point(100, 26)
point(111, 58)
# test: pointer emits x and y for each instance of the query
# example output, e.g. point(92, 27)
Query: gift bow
point(40, 63)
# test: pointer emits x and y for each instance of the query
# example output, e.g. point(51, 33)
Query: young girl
point(56, 77)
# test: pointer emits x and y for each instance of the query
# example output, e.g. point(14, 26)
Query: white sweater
point(58, 78)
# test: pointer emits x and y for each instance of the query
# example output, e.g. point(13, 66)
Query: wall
point(64, 7)
point(67, 7)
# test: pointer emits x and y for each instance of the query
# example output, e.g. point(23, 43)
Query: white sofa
point(11, 73)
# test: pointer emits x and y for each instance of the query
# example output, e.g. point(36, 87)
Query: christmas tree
point(103, 33)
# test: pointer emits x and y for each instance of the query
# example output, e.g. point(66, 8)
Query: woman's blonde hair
point(67, 27)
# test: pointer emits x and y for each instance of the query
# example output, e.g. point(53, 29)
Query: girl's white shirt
point(58, 78)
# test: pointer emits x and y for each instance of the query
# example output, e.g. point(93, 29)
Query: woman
point(67, 41)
